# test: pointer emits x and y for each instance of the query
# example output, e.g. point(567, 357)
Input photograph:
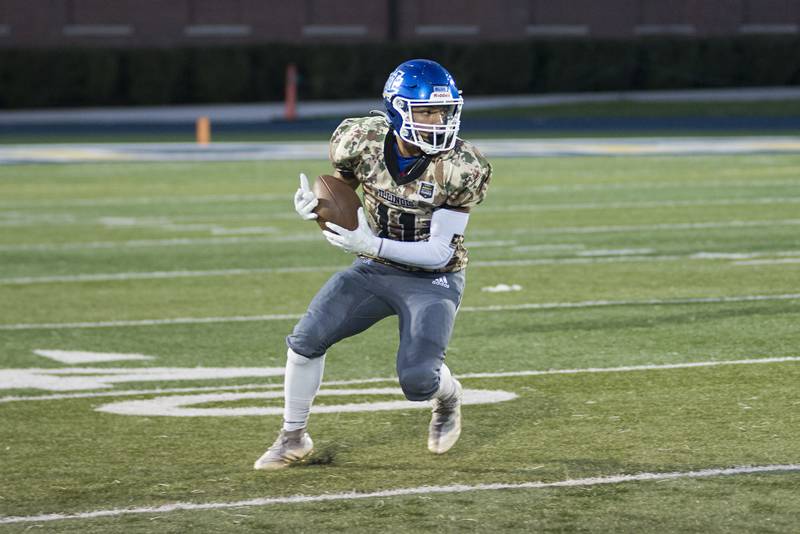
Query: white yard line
point(466, 309)
point(642, 204)
point(152, 322)
point(144, 201)
point(645, 302)
point(546, 247)
point(628, 368)
point(172, 242)
point(157, 275)
point(635, 228)
point(507, 374)
point(403, 492)
point(212, 223)
point(768, 262)
point(216, 229)
point(44, 247)
point(728, 225)
point(15, 217)
point(574, 261)
point(157, 391)
point(620, 186)
point(585, 257)
point(555, 188)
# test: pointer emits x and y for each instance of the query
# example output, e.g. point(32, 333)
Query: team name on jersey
point(394, 199)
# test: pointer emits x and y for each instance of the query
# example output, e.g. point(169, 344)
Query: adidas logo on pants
point(441, 281)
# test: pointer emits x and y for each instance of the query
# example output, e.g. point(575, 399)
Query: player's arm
point(434, 253)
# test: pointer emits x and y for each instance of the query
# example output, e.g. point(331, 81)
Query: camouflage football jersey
point(399, 205)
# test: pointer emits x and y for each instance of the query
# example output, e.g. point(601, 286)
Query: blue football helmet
point(423, 83)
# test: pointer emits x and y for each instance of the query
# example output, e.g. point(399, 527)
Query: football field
point(629, 345)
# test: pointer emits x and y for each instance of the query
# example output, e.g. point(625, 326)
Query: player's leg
point(346, 305)
point(445, 426)
point(343, 307)
point(426, 324)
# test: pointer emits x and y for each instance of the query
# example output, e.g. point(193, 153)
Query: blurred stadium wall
point(137, 52)
point(102, 23)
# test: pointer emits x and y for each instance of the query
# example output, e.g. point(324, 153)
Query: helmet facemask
point(431, 138)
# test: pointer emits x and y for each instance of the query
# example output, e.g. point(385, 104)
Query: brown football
point(338, 203)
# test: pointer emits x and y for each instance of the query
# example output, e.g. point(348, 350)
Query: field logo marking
point(82, 378)
point(73, 356)
point(464, 309)
point(182, 406)
point(46, 380)
point(403, 492)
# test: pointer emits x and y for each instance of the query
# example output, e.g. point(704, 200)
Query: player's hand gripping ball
point(338, 203)
point(358, 241)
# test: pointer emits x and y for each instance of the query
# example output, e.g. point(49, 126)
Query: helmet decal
point(394, 82)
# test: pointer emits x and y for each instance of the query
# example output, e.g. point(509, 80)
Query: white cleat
point(291, 447)
point(445, 427)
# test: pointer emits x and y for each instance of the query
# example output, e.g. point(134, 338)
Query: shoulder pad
point(351, 138)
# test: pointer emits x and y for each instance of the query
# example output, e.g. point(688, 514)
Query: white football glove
point(305, 200)
point(358, 241)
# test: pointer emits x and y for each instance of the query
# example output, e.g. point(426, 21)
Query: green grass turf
point(565, 217)
point(619, 509)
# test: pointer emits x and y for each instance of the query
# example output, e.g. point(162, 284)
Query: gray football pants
point(366, 292)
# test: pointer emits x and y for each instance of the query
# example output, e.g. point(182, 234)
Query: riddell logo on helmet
point(440, 92)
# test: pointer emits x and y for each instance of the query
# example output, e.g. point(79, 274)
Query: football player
point(419, 183)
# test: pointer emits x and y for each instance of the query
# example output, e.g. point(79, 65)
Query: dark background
point(63, 53)
point(170, 23)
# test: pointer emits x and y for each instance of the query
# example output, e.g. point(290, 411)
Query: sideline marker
point(290, 98)
point(203, 131)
